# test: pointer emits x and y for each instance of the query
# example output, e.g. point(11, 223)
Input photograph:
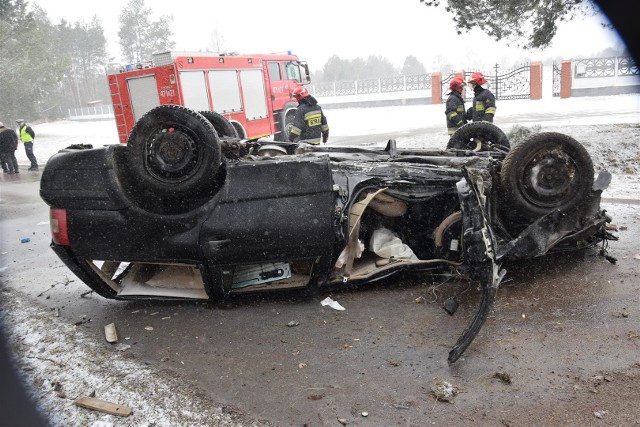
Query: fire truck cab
point(251, 91)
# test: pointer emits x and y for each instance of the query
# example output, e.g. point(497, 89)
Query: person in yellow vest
point(27, 135)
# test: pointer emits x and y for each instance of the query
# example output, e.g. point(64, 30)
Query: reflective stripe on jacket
point(310, 124)
point(484, 105)
point(454, 111)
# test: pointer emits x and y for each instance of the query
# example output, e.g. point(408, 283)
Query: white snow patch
point(52, 355)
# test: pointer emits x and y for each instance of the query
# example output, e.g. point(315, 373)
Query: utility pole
point(497, 88)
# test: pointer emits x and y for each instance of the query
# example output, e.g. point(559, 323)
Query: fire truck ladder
point(118, 112)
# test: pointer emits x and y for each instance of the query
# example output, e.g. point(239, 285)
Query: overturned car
point(188, 210)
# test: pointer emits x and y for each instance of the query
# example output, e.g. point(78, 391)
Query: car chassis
point(186, 210)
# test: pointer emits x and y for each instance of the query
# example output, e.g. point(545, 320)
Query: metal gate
point(513, 84)
point(556, 80)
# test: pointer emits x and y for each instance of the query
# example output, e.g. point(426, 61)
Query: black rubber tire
point(487, 134)
point(547, 171)
point(173, 151)
point(223, 127)
point(239, 130)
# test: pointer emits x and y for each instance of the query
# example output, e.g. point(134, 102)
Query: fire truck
point(251, 91)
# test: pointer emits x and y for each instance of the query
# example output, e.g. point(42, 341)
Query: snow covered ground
point(63, 365)
point(396, 121)
point(608, 126)
point(60, 354)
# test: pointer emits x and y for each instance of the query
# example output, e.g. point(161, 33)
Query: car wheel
point(479, 136)
point(223, 127)
point(173, 151)
point(545, 172)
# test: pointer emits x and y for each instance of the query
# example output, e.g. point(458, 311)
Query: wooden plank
point(103, 406)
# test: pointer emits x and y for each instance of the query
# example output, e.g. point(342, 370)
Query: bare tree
point(218, 43)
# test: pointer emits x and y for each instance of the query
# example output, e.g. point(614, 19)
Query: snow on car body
point(187, 210)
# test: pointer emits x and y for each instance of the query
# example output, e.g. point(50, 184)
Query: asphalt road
point(562, 341)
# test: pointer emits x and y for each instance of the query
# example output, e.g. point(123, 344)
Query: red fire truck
point(251, 91)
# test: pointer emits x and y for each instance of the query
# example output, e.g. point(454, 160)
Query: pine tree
point(140, 36)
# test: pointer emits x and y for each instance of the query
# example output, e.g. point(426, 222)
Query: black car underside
point(267, 216)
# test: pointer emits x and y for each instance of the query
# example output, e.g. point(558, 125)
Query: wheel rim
point(479, 143)
point(171, 154)
point(549, 177)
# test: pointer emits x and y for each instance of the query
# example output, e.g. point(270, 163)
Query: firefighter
point(310, 124)
point(484, 103)
point(455, 110)
point(27, 135)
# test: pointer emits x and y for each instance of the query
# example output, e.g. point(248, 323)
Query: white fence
point(590, 77)
point(99, 112)
point(607, 76)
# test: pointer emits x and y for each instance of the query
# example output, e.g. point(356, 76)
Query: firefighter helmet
point(300, 93)
point(456, 84)
point(478, 79)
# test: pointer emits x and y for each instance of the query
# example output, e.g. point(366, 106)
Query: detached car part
point(187, 210)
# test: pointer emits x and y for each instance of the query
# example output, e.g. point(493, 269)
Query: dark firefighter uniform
point(455, 112)
point(310, 124)
point(484, 105)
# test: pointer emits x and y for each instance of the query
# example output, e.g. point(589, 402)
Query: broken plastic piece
point(344, 255)
point(331, 303)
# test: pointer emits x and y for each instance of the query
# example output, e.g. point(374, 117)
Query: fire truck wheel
point(287, 120)
point(545, 172)
point(173, 151)
point(479, 136)
point(223, 127)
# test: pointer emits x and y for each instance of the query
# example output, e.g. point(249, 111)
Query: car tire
point(223, 127)
point(479, 136)
point(173, 151)
point(545, 172)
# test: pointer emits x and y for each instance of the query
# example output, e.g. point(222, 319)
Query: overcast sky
point(347, 28)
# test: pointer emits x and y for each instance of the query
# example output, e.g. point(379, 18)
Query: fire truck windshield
point(293, 72)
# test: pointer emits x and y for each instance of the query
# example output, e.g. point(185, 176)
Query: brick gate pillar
point(436, 87)
point(565, 79)
point(536, 81)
